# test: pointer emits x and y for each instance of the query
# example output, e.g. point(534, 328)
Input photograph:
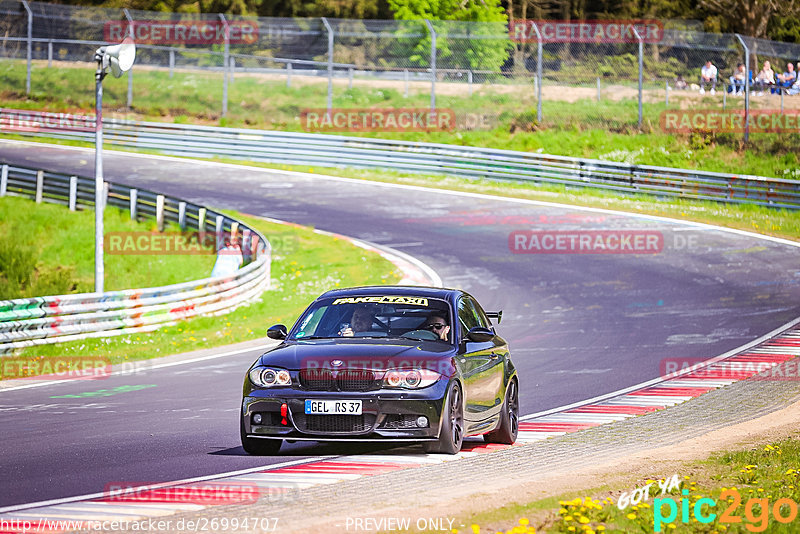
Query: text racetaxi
point(384, 363)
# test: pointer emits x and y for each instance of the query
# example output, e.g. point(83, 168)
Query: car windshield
point(420, 318)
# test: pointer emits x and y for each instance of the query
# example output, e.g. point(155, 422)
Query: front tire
point(506, 431)
point(256, 446)
point(451, 434)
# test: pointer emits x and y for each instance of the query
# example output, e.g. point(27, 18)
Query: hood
point(355, 353)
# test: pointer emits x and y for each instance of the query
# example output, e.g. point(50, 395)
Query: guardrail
point(339, 151)
point(53, 319)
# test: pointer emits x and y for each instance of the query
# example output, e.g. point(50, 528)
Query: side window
point(481, 315)
point(466, 316)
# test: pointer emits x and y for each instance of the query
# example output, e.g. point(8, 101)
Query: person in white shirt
point(708, 75)
point(764, 78)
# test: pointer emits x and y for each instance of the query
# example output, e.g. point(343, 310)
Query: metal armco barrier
point(339, 151)
point(41, 320)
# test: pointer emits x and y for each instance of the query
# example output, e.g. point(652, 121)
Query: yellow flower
point(476, 529)
point(524, 521)
point(631, 516)
point(601, 527)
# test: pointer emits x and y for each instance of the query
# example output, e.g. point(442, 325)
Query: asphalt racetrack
point(579, 324)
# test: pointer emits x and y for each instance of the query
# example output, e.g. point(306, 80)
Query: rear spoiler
point(495, 315)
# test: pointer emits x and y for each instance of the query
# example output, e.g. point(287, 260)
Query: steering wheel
point(421, 335)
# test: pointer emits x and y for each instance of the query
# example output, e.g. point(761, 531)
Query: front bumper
point(386, 415)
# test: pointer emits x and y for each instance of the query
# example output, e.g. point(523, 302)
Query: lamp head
point(119, 57)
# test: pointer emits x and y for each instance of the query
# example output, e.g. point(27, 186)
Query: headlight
point(265, 377)
point(410, 378)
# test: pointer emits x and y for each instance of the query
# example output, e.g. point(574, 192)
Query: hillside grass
point(45, 249)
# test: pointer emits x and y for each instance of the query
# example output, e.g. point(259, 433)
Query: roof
point(416, 291)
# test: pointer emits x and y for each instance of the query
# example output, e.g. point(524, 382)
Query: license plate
point(333, 407)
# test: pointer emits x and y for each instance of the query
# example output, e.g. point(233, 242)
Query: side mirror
point(480, 334)
point(277, 331)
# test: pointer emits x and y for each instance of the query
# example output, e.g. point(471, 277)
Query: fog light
point(422, 421)
point(257, 419)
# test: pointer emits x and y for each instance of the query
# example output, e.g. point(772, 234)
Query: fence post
point(160, 212)
point(73, 193)
point(433, 63)
point(246, 255)
point(746, 88)
point(218, 226)
point(233, 69)
point(330, 64)
point(30, 44)
point(3, 180)
point(130, 71)
point(641, 70)
point(49, 53)
point(469, 79)
point(182, 215)
point(289, 74)
point(598, 88)
point(666, 93)
point(171, 62)
point(134, 206)
point(538, 72)
point(39, 186)
point(201, 224)
point(225, 57)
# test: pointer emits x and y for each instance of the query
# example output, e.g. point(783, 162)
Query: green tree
point(469, 33)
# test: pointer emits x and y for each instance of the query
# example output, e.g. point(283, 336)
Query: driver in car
point(360, 322)
point(438, 325)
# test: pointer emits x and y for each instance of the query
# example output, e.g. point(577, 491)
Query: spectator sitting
point(795, 88)
point(708, 75)
point(738, 80)
point(788, 78)
point(680, 83)
point(764, 78)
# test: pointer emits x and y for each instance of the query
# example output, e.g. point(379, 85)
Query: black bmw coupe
point(384, 363)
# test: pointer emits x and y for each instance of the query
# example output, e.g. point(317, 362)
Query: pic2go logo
point(756, 511)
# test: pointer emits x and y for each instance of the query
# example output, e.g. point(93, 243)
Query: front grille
point(355, 380)
point(316, 379)
point(339, 423)
point(344, 380)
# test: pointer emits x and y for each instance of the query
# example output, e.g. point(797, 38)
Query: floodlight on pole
point(119, 58)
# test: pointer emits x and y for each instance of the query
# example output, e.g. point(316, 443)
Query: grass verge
point(46, 249)
point(499, 116)
point(756, 489)
point(304, 265)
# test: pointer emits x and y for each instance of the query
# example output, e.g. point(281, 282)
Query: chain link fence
point(524, 74)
